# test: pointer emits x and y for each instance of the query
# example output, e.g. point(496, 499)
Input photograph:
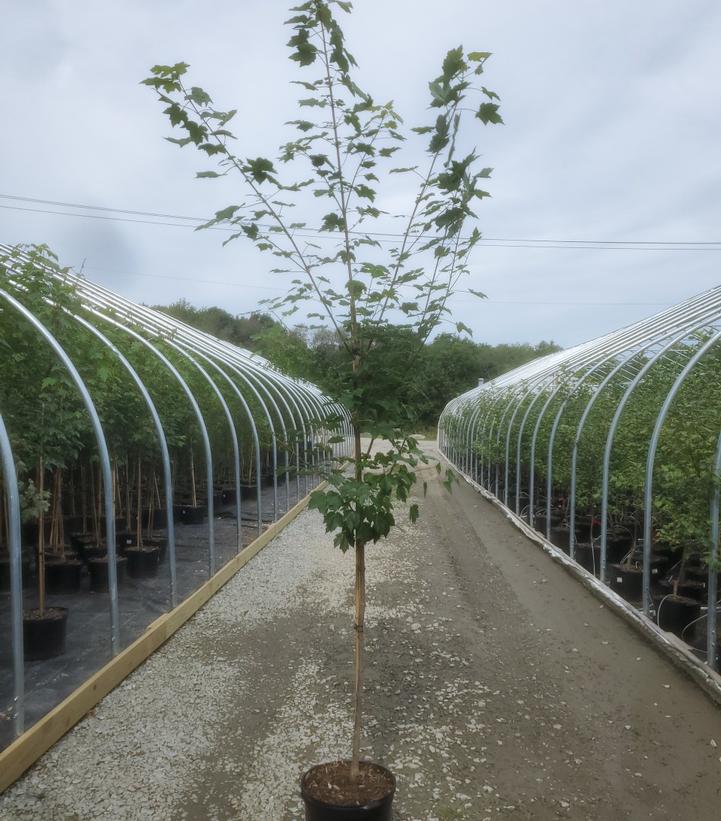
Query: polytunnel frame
point(16, 580)
point(16, 603)
point(162, 441)
point(198, 415)
point(259, 371)
point(151, 326)
point(303, 396)
point(690, 316)
point(583, 355)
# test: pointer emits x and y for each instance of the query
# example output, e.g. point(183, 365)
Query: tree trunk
point(192, 478)
point(41, 538)
point(139, 511)
point(359, 625)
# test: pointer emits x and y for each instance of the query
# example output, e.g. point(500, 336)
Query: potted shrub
point(343, 140)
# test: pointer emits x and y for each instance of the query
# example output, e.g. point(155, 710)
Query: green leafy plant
point(344, 147)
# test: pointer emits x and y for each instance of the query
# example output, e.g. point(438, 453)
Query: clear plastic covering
point(612, 450)
point(139, 456)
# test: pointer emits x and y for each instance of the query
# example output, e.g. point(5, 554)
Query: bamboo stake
point(138, 512)
point(41, 539)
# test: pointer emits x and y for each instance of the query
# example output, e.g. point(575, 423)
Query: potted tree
point(47, 426)
point(365, 293)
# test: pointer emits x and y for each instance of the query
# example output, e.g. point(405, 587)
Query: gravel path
point(496, 688)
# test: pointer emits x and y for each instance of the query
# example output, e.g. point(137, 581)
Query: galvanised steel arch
point(624, 433)
point(79, 343)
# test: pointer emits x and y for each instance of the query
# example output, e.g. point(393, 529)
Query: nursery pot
point(44, 636)
point(161, 542)
point(98, 568)
point(124, 539)
point(560, 536)
point(5, 572)
point(329, 794)
point(192, 514)
point(626, 580)
point(588, 556)
point(689, 588)
point(142, 561)
point(62, 576)
point(674, 613)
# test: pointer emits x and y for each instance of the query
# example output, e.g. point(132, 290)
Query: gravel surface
point(496, 688)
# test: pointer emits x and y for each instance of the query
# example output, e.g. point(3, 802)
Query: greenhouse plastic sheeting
point(612, 451)
point(139, 456)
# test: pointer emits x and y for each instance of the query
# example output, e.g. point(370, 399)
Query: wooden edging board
point(667, 643)
point(37, 740)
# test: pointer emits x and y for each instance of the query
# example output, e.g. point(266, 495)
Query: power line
point(500, 242)
point(244, 285)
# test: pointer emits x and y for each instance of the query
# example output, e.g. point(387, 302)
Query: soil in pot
point(98, 569)
point(674, 613)
point(142, 561)
point(44, 636)
point(329, 793)
point(62, 575)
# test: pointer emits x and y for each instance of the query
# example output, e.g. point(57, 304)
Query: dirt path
point(497, 688)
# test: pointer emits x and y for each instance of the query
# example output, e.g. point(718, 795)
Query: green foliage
point(239, 330)
point(381, 304)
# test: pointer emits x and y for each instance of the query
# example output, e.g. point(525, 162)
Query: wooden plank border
point(37, 740)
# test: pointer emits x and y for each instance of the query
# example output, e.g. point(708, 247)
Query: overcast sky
point(612, 132)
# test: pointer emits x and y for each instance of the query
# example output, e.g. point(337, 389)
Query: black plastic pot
point(560, 536)
point(142, 561)
point(317, 809)
point(80, 540)
point(44, 637)
point(192, 514)
point(588, 556)
point(689, 588)
point(161, 542)
point(228, 496)
point(63, 576)
point(124, 539)
point(674, 613)
point(98, 569)
point(5, 572)
point(626, 580)
point(159, 518)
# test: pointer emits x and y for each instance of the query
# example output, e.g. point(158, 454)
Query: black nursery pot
point(161, 542)
point(674, 613)
point(98, 569)
point(560, 536)
point(192, 514)
point(44, 636)
point(317, 809)
point(626, 580)
point(588, 556)
point(142, 561)
point(689, 588)
point(63, 576)
point(5, 572)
